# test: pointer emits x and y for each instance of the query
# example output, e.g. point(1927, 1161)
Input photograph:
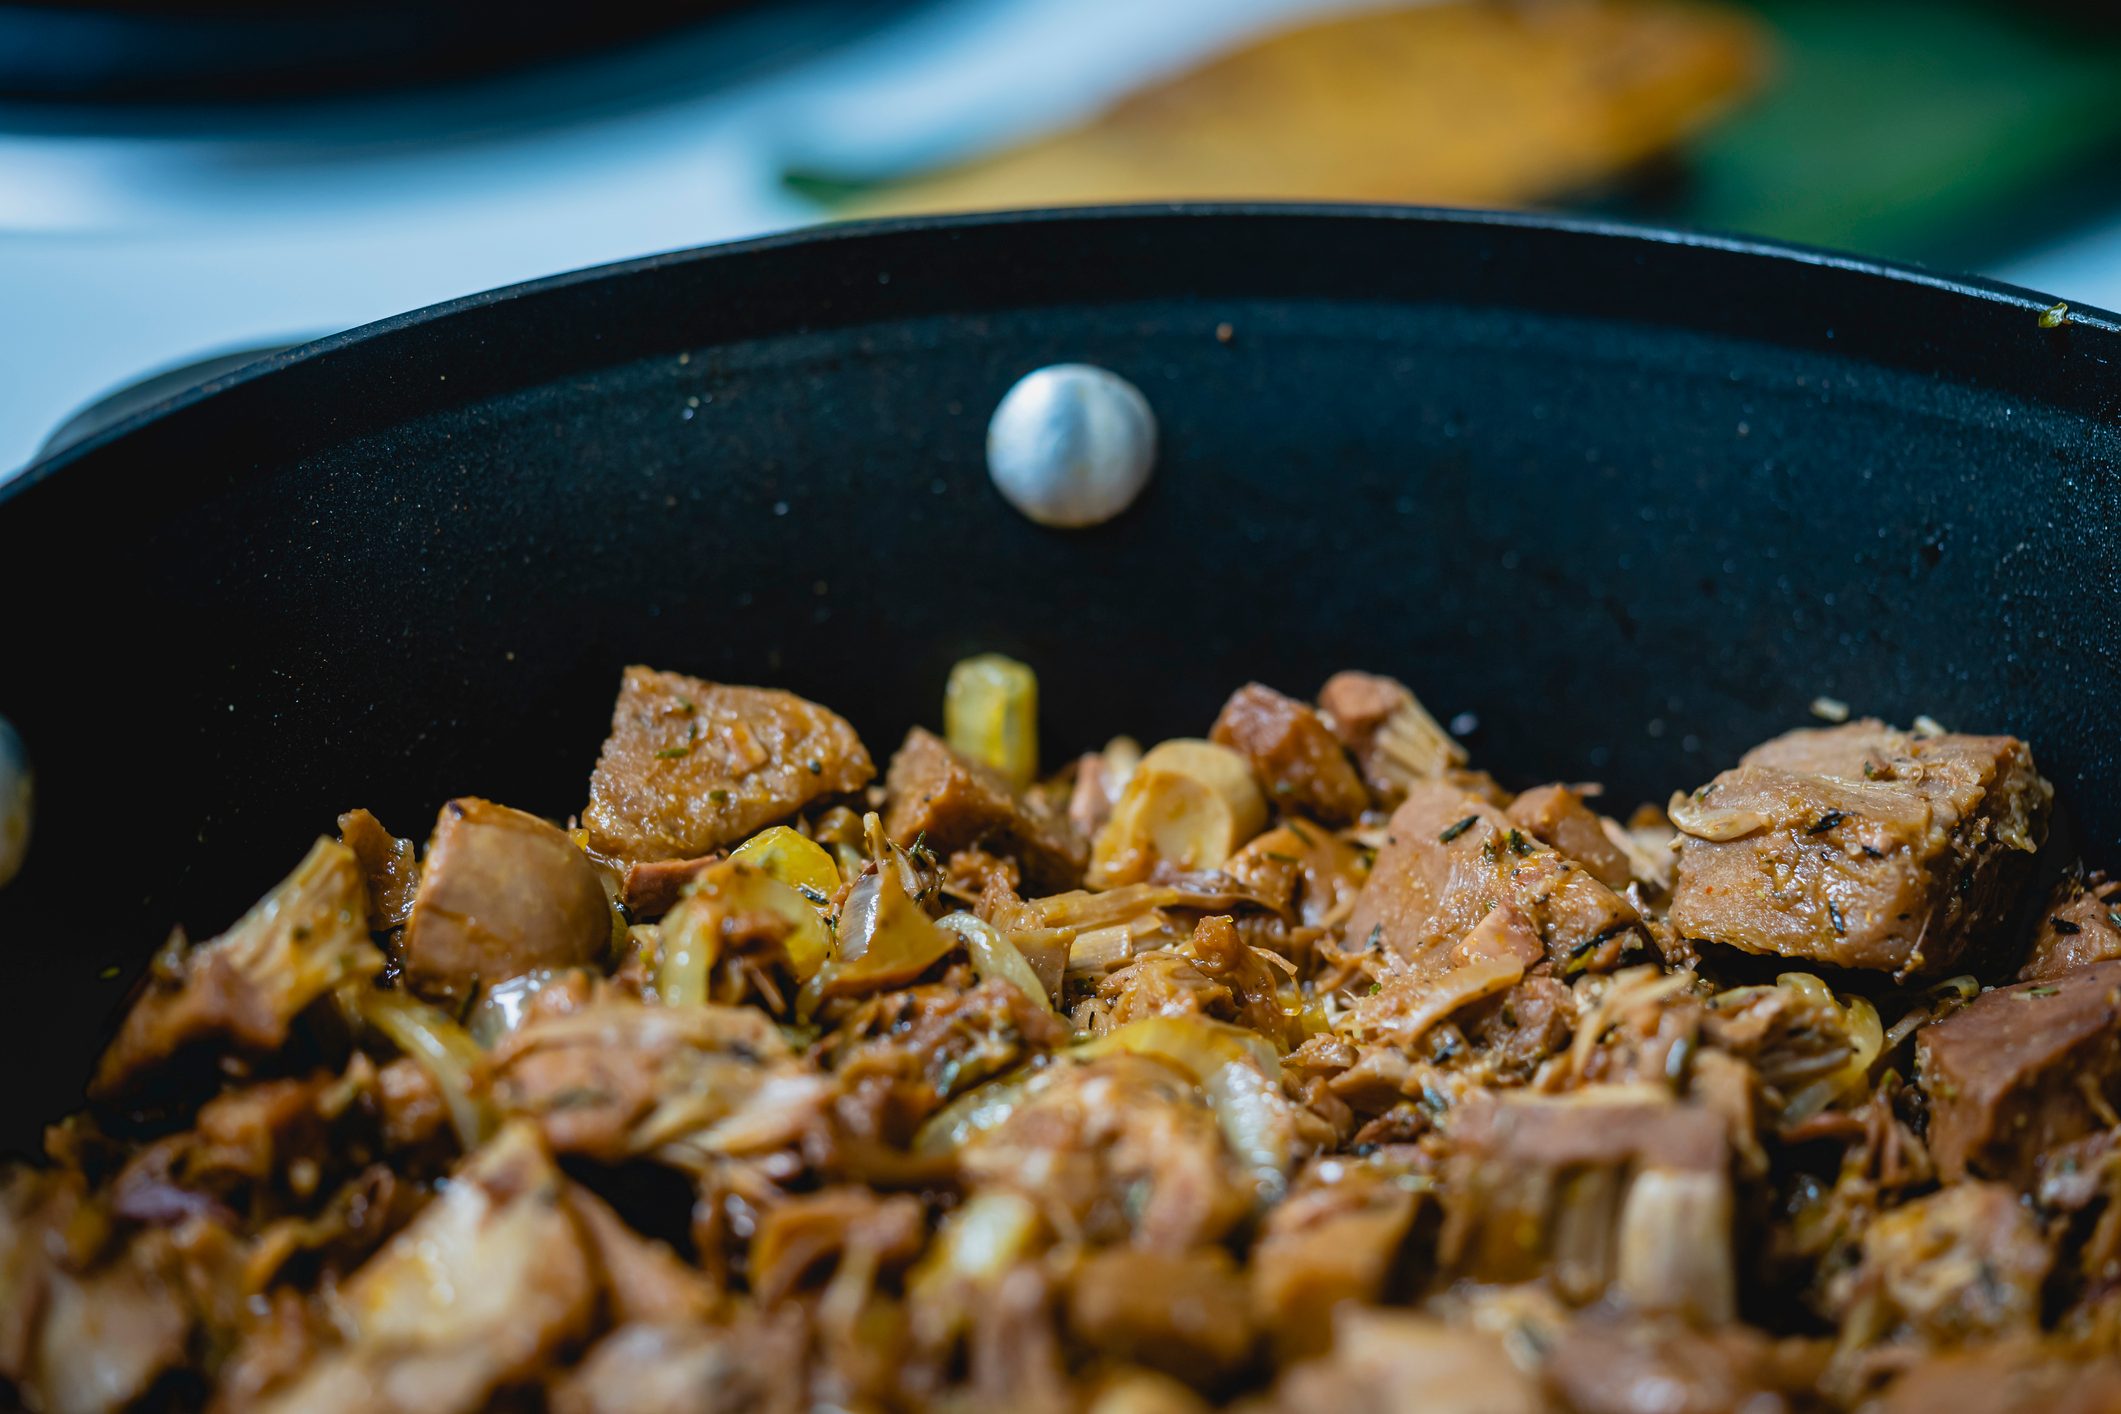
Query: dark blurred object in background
point(153, 51)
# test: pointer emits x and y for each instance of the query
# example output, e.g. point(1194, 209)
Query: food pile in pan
point(1298, 1066)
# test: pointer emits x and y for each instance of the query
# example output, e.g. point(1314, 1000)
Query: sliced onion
point(1847, 1075)
point(982, 1240)
point(499, 1009)
point(1809, 987)
point(1944, 996)
point(993, 955)
point(1249, 1107)
point(686, 963)
point(440, 1047)
point(883, 939)
point(692, 931)
point(1198, 1045)
point(978, 1110)
point(1810, 1100)
point(889, 857)
point(1867, 1035)
point(1239, 1072)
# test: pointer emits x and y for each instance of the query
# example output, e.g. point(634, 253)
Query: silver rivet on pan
point(1071, 445)
point(16, 798)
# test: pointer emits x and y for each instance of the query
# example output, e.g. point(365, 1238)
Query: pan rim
point(854, 235)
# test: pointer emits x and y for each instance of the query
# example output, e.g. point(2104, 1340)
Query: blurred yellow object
point(1475, 104)
point(990, 713)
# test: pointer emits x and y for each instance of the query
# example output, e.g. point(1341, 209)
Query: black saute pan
point(1630, 499)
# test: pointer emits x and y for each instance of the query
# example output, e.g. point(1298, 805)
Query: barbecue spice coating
point(1297, 1066)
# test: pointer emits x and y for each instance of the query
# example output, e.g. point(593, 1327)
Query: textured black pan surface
point(1632, 500)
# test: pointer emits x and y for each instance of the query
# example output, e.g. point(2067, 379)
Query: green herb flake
point(673, 753)
point(719, 797)
point(108, 973)
point(1826, 822)
point(2055, 315)
point(1518, 843)
point(2027, 996)
point(1454, 831)
point(1283, 858)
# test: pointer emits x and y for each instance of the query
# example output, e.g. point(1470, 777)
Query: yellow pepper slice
point(990, 713)
point(794, 859)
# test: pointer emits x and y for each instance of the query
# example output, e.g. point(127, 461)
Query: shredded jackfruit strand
point(1864, 1036)
point(1415, 745)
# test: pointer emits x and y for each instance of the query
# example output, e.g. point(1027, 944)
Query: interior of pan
point(1627, 502)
